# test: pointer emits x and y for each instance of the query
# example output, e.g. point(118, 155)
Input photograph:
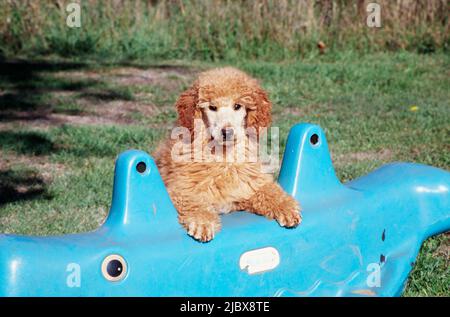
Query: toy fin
point(306, 170)
point(140, 199)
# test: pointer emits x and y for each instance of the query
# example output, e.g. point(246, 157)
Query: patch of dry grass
point(220, 29)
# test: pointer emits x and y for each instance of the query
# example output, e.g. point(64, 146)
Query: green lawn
point(62, 123)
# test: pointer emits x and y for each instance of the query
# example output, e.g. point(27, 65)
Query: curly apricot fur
point(201, 191)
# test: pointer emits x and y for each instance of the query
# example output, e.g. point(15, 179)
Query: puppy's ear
point(187, 107)
point(260, 115)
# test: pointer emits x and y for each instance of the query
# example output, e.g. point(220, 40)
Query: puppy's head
point(227, 101)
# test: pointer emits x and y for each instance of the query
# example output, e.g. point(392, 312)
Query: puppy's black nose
point(227, 134)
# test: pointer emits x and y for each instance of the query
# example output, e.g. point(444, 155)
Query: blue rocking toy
point(356, 239)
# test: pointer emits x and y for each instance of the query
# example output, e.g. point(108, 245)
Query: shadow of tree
point(108, 96)
point(19, 102)
point(25, 87)
point(29, 142)
point(20, 186)
point(21, 71)
point(25, 98)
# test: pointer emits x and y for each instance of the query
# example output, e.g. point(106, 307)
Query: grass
point(62, 123)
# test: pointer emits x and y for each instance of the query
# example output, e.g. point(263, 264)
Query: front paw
point(201, 229)
point(203, 232)
point(289, 217)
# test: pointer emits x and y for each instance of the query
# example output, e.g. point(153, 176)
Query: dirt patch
point(444, 249)
point(44, 121)
point(168, 77)
point(351, 158)
point(86, 74)
point(121, 111)
point(59, 119)
point(91, 113)
point(168, 80)
point(130, 75)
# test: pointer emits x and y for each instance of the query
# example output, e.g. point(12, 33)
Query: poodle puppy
point(202, 173)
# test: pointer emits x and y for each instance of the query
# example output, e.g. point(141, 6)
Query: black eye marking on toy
point(314, 139)
point(141, 167)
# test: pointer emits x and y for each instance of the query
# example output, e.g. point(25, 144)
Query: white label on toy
point(259, 260)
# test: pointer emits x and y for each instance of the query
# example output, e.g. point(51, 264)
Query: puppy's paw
point(289, 217)
point(202, 231)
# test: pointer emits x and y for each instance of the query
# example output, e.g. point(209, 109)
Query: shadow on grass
point(39, 91)
point(30, 143)
point(108, 96)
point(20, 186)
point(27, 84)
point(27, 88)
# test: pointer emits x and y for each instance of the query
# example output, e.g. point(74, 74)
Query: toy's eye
point(314, 139)
point(237, 107)
point(141, 167)
point(212, 108)
point(114, 268)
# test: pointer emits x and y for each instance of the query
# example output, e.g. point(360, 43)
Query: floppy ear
point(259, 115)
point(187, 108)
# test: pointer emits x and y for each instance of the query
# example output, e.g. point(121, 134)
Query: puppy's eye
point(237, 107)
point(212, 108)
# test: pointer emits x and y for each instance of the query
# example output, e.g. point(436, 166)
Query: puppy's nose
point(227, 134)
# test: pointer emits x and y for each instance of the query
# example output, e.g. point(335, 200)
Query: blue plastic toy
point(356, 239)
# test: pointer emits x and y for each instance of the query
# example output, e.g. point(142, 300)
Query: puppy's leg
point(272, 202)
point(200, 220)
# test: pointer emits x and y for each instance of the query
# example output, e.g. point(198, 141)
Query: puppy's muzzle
point(227, 134)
